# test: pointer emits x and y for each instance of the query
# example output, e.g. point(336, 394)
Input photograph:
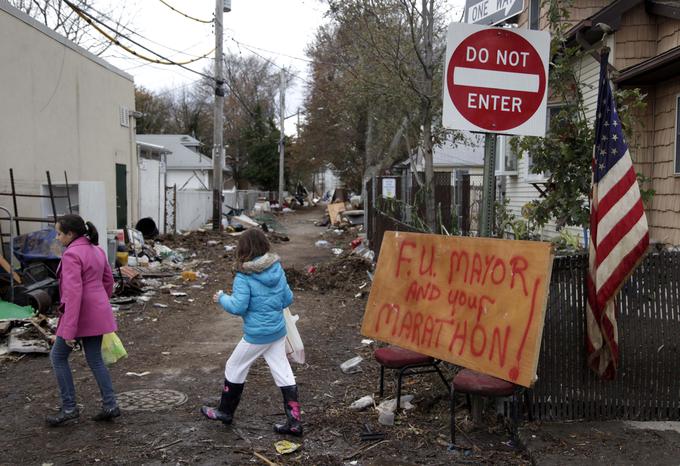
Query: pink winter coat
point(85, 286)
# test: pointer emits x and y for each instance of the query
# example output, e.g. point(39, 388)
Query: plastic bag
point(112, 349)
point(295, 350)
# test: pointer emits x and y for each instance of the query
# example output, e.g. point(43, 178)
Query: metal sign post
point(488, 191)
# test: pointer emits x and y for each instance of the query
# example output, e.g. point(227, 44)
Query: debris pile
point(345, 272)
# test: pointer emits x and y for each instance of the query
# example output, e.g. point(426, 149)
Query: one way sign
point(491, 12)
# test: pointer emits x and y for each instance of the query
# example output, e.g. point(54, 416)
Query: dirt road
point(177, 355)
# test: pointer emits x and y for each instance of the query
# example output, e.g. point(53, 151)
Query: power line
point(166, 61)
point(270, 61)
point(132, 31)
point(186, 15)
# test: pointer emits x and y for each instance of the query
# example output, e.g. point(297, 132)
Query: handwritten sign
point(476, 302)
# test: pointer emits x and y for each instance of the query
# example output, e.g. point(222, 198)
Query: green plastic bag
point(112, 348)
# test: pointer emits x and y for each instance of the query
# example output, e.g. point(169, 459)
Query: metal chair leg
point(399, 377)
point(441, 376)
point(452, 403)
point(382, 379)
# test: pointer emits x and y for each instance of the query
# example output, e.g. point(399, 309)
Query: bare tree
point(63, 19)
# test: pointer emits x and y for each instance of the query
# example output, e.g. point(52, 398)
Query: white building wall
point(188, 179)
point(60, 111)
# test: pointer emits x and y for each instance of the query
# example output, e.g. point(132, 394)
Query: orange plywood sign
point(476, 302)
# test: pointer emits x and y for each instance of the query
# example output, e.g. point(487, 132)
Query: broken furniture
point(39, 288)
point(475, 383)
point(406, 363)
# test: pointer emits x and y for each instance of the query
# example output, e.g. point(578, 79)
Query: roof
point(181, 157)
point(21, 16)
point(590, 31)
point(465, 153)
point(654, 70)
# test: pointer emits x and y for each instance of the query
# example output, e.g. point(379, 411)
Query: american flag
point(618, 230)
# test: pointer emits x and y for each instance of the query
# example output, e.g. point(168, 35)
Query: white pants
point(245, 354)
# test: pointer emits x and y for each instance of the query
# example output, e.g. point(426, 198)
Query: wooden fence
point(647, 386)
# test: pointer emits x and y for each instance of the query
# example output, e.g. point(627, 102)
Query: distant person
point(85, 286)
point(260, 293)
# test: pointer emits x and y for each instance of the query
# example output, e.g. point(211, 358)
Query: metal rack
point(51, 196)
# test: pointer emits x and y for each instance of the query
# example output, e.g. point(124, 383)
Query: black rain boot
point(293, 425)
point(231, 395)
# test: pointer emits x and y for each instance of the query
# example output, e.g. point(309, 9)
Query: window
point(534, 14)
point(677, 135)
point(506, 158)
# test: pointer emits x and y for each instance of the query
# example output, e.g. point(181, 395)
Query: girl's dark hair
point(75, 223)
point(252, 243)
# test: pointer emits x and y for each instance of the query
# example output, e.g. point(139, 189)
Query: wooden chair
point(406, 363)
point(475, 383)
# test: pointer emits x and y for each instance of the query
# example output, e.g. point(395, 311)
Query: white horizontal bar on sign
point(503, 80)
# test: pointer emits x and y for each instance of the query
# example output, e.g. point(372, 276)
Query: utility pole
point(218, 131)
point(282, 117)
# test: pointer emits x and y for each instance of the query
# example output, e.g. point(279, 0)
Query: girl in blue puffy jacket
point(260, 293)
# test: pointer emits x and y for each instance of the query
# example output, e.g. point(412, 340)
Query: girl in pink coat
point(85, 285)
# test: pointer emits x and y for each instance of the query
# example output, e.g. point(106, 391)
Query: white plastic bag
point(295, 350)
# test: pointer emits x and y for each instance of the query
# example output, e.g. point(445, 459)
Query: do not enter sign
point(496, 80)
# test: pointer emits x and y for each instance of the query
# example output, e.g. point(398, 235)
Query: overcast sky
point(278, 30)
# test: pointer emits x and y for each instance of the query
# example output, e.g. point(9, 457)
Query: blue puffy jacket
point(260, 293)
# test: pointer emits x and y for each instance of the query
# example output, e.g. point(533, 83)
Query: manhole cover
point(150, 399)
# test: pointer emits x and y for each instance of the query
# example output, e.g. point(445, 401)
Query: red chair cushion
point(396, 358)
point(475, 383)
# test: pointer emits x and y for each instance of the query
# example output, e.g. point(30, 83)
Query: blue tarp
point(38, 245)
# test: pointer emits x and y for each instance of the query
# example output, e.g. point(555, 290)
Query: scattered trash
point(287, 210)
point(311, 269)
point(162, 306)
point(336, 251)
point(152, 283)
point(10, 311)
point(386, 418)
point(362, 403)
point(353, 217)
point(391, 404)
point(212, 242)
point(165, 353)
point(17, 344)
point(285, 447)
point(363, 251)
point(138, 374)
point(322, 243)
point(189, 275)
point(144, 299)
point(368, 435)
point(245, 221)
point(229, 247)
point(351, 366)
point(178, 293)
point(366, 341)
point(386, 409)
